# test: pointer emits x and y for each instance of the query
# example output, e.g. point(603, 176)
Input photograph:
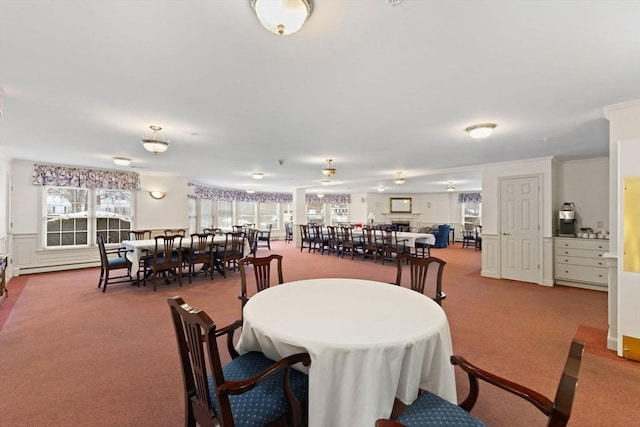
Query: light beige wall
point(586, 183)
point(170, 212)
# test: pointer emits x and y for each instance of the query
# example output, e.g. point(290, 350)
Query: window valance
point(206, 192)
point(469, 197)
point(62, 176)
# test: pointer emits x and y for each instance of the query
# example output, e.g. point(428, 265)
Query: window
point(113, 214)
point(75, 215)
point(471, 215)
point(192, 214)
point(225, 214)
point(268, 215)
point(206, 213)
point(246, 213)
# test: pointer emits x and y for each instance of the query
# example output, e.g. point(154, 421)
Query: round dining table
point(370, 342)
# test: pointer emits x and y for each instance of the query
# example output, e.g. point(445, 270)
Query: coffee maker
point(567, 220)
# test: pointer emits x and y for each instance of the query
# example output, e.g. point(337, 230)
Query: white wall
point(5, 198)
point(170, 212)
point(586, 183)
point(624, 287)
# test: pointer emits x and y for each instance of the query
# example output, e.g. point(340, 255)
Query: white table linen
point(135, 248)
point(410, 237)
point(369, 343)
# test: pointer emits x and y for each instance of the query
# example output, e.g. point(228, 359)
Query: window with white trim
point(73, 216)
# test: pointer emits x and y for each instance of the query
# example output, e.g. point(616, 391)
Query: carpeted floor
point(71, 355)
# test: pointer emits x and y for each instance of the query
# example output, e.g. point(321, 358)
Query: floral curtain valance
point(469, 197)
point(62, 176)
point(205, 192)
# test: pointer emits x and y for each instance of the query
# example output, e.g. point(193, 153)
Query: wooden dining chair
point(201, 253)
point(425, 275)
point(139, 234)
point(349, 243)
point(250, 390)
point(175, 231)
point(109, 262)
point(262, 274)
point(229, 253)
point(264, 237)
point(431, 410)
point(166, 259)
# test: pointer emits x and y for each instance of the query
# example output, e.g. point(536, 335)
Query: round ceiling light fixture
point(257, 175)
point(155, 144)
point(450, 186)
point(329, 169)
point(399, 180)
point(282, 17)
point(481, 130)
point(250, 190)
point(122, 161)
point(325, 182)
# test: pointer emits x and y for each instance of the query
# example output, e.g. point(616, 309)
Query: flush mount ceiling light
point(155, 144)
point(481, 131)
point(450, 186)
point(381, 189)
point(157, 194)
point(122, 161)
point(250, 190)
point(282, 16)
point(399, 180)
point(329, 169)
point(325, 182)
point(321, 195)
point(257, 175)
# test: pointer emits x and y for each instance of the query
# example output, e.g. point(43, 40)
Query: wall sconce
point(157, 194)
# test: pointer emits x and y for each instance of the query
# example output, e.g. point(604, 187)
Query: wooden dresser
point(580, 263)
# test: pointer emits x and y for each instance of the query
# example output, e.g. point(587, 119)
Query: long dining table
point(137, 248)
point(370, 342)
point(410, 237)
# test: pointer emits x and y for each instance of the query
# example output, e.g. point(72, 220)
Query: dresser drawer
point(581, 273)
point(588, 244)
point(581, 253)
point(589, 262)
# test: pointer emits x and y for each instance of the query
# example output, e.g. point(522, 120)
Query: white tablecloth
point(411, 237)
point(135, 248)
point(369, 343)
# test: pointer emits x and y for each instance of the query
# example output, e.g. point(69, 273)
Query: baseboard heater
point(55, 267)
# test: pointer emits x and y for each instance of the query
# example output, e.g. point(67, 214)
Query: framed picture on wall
point(400, 204)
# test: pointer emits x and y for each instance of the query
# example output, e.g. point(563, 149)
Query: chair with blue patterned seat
point(251, 390)
point(431, 410)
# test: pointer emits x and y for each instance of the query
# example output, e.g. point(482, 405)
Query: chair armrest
point(539, 401)
point(120, 251)
point(295, 407)
point(229, 331)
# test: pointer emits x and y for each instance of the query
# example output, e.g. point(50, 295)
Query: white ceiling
point(378, 88)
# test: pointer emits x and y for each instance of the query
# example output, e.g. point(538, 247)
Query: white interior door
point(520, 229)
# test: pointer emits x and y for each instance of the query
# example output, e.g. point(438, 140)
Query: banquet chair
point(334, 240)
point(349, 243)
point(264, 237)
point(200, 253)
point(421, 248)
point(288, 232)
point(262, 272)
point(251, 235)
point(139, 234)
point(177, 231)
point(431, 410)
point(109, 262)
point(305, 237)
point(166, 259)
point(392, 247)
point(250, 390)
point(215, 231)
point(421, 280)
point(143, 263)
point(369, 243)
point(228, 254)
point(468, 239)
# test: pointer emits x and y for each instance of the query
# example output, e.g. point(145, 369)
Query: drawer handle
point(566, 271)
point(566, 260)
point(599, 275)
point(566, 253)
point(566, 244)
point(599, 263)
point(600, 255)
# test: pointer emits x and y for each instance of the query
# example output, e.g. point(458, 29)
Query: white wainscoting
point(490, 256)
point(29, 258)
